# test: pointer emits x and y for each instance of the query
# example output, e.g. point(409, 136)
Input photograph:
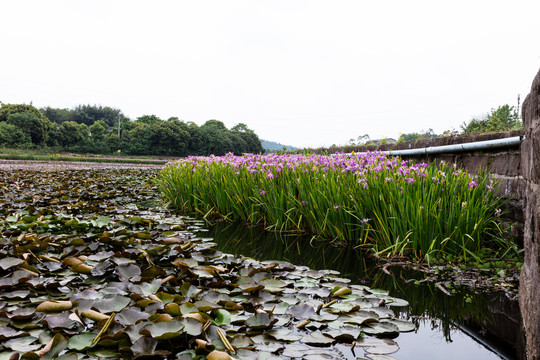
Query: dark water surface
point(448, 327)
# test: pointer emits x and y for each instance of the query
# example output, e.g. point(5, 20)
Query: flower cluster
point(366, 197)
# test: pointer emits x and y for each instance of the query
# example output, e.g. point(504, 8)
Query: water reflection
point(487, 326)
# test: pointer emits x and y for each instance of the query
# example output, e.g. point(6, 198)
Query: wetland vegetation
point(88, 271)
point(432, 213)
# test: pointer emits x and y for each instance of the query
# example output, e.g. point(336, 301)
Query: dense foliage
point(504, 118)
point(104, 130)
point(392, 206)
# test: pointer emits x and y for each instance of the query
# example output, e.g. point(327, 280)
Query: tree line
point(104, 130)
point(504, 118)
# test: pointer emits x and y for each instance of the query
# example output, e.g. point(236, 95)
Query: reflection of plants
point(427, 303)
point(389, 205)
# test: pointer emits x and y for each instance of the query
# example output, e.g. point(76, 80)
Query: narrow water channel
point(486, 326)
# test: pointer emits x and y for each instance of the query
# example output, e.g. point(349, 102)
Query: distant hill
point(270, 146)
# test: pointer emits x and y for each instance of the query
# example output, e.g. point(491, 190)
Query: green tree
point(253, 143)
point(98, 130)
point(196, 140)
point(216, 138)
point(58, 115)
point(89, 114)
point(113, 141)
point(241, 127)
point(414, 136)
point(33, 122)
point(13, 136)
point(169, 138)
point(250, 142)
point(239, 145)
point(136, 141)
point(148, 119)
point(71, 133)
point(504, 118)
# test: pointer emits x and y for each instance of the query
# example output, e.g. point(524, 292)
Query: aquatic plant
point(392, 206)
point(87, 271)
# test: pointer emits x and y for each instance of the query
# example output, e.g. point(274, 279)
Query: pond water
point(486, 326)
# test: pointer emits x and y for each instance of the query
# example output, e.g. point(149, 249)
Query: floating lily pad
point(164, 330)
point(260, 321)
point(301, 312)
point(380, 328)
point(403, 326)
point(112, 304)
point(81, 341)
point(318, 339)
point(284, 335)
point(10, 262)
point(23, 344)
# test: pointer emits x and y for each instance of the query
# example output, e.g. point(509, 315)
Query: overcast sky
point(302, 73)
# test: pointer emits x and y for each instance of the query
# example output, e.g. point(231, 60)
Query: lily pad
point(381, 329)
point(10, 262)
point(378, 346)
point(82, 341)
point(301, 312)
point(163, 330)
point(112, 304)
point(318, 339)
point(260, 321)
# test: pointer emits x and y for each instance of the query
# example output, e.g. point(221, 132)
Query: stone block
point(504, 163)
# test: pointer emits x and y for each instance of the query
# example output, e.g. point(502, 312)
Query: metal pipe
point(474, 146)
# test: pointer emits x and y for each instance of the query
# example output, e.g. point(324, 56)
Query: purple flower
point(269, 175)
point(262, 192)
point(498, 212)
point(365, 221)
point(336, 207)
point(472, 184)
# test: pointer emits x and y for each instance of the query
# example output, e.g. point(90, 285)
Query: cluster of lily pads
point(88, 271)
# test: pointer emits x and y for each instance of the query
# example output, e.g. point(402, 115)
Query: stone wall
point(529, 288)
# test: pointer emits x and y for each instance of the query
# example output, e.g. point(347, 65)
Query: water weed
point(394, 207)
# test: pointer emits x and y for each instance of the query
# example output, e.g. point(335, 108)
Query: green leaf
point(164, 330)
point(101, 221)
point(22, 344)
point(112, 304)
point(381, 329)
point(58, 344)
point(82, 341)
point(260, 321)
point(223, 317)
point(318, 339)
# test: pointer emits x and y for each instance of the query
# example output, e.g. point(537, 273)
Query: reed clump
point(394, 207)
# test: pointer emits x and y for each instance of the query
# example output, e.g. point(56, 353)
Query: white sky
point(299, 72)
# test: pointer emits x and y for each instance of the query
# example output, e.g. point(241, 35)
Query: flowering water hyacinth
point(393, 206)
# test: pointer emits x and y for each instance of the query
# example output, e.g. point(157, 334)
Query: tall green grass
point(393, 207)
